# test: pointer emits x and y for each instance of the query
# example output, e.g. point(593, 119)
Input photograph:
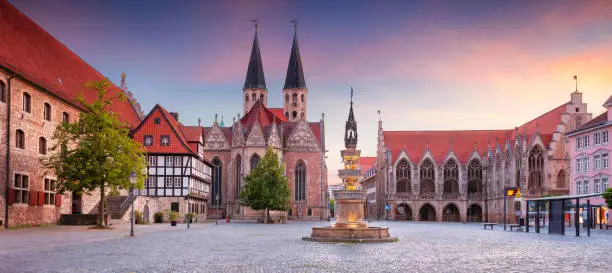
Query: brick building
point(300, 144)
point(39, 80)
point(461, 175)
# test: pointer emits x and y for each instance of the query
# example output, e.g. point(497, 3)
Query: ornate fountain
point(350, 225)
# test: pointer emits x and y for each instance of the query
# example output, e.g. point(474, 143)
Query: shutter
point(33, 198)
point(41, 198)
point(11, 196)
point(58, 200)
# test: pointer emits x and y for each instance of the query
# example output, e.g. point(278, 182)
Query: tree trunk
point(102, 206)
point(268, 215)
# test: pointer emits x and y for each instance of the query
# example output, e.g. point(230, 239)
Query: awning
point(562, 197)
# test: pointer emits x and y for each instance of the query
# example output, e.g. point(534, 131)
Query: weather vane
point(294, 22)
point(256, 22)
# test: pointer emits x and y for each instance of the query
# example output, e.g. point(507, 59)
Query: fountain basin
point(350, 235)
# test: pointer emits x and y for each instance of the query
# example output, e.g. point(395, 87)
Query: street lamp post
point(217, 210)
point(133, 181)
point(188, 214)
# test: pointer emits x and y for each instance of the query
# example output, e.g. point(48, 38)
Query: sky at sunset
point(431, 65)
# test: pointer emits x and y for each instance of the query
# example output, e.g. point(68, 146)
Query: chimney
point(175, 115)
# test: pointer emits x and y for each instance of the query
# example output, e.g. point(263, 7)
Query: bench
point(608, 226)
point(489, 224)
point(515, 226)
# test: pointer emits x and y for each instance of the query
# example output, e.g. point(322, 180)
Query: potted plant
point(173, 216)
point(190, 216)
point(158, 217)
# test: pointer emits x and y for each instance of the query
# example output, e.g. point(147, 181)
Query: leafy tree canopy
point(96, 152)
point(266, 187)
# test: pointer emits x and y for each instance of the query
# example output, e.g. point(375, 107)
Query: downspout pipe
point(8, 148)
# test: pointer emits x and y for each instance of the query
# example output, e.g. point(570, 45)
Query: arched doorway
point(146, 213)
point(403, 212)
point(427, 213)
point(474, 213)
point(451, 213)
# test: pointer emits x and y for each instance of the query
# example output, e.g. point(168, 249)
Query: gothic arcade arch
point(403, 212)
point(474, 213)
point(451, 213)
point(427, 213)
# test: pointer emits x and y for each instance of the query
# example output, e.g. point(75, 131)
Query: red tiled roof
point(34, 54)
point(415, 142)
point(258, 114)
point(547, 122)
point(465, 142)
point(366, 162)
point(168, 126)
point(192, 133)
point(278, 112)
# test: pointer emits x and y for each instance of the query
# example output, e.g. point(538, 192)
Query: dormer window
point(156, 121)
point(165, 141)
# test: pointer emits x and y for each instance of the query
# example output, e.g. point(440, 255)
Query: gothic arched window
point(302, 97)
point(451, 177)
point(300, 181)
point(402, 176)
point(254, 97)
point(246, 97)
point(238, 177)
point(517, 167)
point(216, 180)
point(294, 114)
point(536, 168)
point(498, 173)
point(294, 97)
point(254, 161)
point(42, 146)
point(561, 180)
point(475, 177)
point(427, 175)
point(19, 139)
point(261, 97)
point(287, 98)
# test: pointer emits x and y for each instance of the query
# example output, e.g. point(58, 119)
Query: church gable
point(302, 138)
point(237, 136)
point(256, 137)
point(274, 139)
point(216, 140)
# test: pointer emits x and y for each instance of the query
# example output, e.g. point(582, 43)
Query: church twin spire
point(295, 85)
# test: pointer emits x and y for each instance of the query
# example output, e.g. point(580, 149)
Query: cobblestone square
point(250, 247)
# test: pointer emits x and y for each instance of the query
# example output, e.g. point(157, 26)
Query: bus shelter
point(554, 209)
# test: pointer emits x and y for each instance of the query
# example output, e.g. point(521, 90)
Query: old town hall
point(235, 150)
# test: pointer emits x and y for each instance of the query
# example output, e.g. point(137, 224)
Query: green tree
point(96, 152)
point(332, 206)
point(608, 197)
point(266, 187)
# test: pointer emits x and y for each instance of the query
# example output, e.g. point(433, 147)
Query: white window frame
point(148, 140)
point(178, 182)
point(50, 186)
point(596, 185)
point(168, 182)
point(578, 187)
point(20, 190)
point(604, 183)
point(597, 162)
point(605, 160)
point(585, 185)
point(604, 136)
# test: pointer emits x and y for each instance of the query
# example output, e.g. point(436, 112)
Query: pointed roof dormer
point(255, 74)
point(295, 73)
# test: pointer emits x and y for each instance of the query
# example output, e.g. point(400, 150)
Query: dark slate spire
point(255, 75)
point(295, 73)
point(350, 131)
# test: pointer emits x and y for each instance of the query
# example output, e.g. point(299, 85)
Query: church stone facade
point(461, 175)
point(235, 150)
